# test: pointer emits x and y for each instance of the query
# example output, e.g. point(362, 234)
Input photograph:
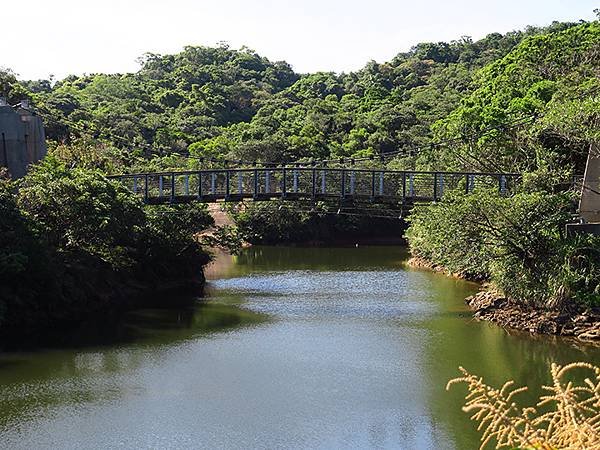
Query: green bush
point(73, 242)
point(81, 210)
point(297, 222)
point(516, 242)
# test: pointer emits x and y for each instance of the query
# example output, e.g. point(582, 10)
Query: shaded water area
point(292, 348)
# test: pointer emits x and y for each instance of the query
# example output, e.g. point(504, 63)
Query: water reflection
point(294, 348)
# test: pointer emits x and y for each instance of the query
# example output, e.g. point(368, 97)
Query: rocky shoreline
point(490, 305)
point(582, 324)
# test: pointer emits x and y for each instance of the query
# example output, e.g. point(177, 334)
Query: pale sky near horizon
point(63, 37)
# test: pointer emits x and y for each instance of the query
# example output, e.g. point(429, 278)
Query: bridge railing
point(309, 183)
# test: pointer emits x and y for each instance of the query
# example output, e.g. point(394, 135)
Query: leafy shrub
point(296, 222)
point(168, 239)
point(81, 210)
point(516, 242)
point(73, 242)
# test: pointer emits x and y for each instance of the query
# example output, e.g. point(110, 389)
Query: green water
point(292, 348)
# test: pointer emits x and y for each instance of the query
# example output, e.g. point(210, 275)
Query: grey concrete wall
point(13, 150)
point(589, 205)
point(22, 139)
point(35, 137)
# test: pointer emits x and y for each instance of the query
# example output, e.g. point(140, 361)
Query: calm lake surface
point(292, 348)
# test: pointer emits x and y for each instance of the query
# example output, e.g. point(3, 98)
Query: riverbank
point(492, 306)
point(579, 323)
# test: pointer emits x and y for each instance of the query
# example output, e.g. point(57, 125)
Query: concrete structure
point(589, 203)
point(22, 138)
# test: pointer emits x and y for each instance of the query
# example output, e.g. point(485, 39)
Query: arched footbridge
point(309, 183)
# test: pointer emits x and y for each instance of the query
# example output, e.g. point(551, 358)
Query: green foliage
point(552, 75)
point(169, 235)
point(11, 88)
point(171, 102)
point(448, 235)
point(578, 277)
point(516, 242)
point(72, 242)
point(266, 223)
point(80, 210)
point(295, 222)
point(236, 104)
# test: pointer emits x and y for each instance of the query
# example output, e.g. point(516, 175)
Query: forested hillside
point(540, 101)
point(235, 104)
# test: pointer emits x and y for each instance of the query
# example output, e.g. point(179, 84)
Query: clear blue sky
point(62, 37)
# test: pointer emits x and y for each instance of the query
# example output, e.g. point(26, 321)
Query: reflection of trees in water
point(33, 382)
point(304, 258)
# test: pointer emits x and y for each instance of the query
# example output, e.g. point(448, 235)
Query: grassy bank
point(517, 244)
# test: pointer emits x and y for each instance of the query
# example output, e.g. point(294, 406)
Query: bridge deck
point(308, 183)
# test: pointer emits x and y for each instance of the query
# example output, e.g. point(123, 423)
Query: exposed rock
point(494, 307)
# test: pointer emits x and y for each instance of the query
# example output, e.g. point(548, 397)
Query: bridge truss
point(309, 183)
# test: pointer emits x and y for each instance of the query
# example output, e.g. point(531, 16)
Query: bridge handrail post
point(283, 182)
point(172, 187)
point(213, 183)
point(295, 188)
point(186, 185)
point(199, 185)
point(403, 186)
point(352, 182)
point(160, 186)
point(255, 184)
point(323, 182)
point(381, 176)
point(502, 181)
point(240, 183)
point(372, 185)
point(343, 184)
point(135, 186)
point(227, 180)
point(314, 183)
point(435, 186)
point(146, 188)
point(267, 181)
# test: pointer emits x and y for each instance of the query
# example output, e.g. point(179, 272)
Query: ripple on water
point(339, 295)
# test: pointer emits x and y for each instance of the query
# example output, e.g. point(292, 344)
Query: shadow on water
point(260, 259)
point(183, 318)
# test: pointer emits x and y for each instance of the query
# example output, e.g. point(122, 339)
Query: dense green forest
point(526, 101)
point(234, 104)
